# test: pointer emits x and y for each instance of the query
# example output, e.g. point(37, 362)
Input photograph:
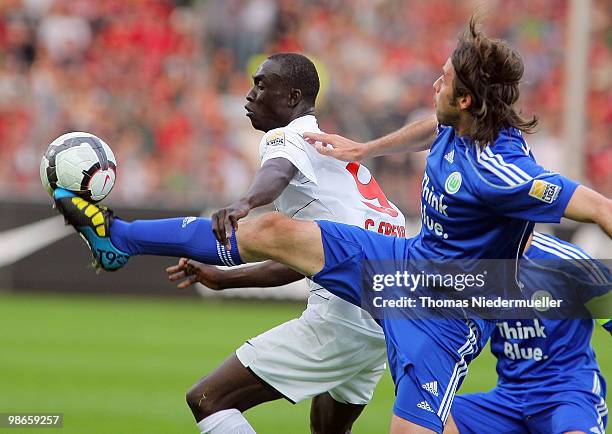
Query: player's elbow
point(603, 214)
point(599, 211)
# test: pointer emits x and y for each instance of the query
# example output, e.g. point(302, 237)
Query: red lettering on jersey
point(371, 191)
point(368, 223)
point(393, 230)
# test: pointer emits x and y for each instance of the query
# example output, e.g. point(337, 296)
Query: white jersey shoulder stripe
point(548, 245)
point(563, 254)
point(568, 247)
point(491, 160)
point(510, 173)
point(550, 250)
point(512, 168)
point(494, 170)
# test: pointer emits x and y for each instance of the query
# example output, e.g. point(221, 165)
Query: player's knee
point(271, 223)
point(202, 401)
point(194, 397)
point(267, 229)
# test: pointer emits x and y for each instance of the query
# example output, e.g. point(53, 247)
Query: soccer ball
point(79, 162)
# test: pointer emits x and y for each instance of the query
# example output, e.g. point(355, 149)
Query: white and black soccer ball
point(79, 162)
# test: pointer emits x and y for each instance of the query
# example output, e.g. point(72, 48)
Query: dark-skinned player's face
point(268, 100)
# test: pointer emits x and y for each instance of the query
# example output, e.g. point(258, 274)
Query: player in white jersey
point(334, 353)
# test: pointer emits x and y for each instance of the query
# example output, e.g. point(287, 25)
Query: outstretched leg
point(296, 243)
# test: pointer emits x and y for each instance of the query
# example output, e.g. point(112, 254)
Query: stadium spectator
point(158, 77)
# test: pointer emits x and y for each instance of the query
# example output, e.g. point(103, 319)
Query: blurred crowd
point(163, 83)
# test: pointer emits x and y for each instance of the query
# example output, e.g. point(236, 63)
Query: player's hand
point(226, 219)
point(336, 146)
point(192, 271)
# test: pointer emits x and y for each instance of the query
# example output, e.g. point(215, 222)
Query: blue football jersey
point(548, 353)
point(481, 202)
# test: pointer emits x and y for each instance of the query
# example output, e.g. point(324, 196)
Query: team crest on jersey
point(453, 183)
point(276, 139)
point(544, 297)
point(544, 191)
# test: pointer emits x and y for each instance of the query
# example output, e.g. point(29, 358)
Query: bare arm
point(588, 206)
point(263, 275)
point(269, 182)
point(414, 137)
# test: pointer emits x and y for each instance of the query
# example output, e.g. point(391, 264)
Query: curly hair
point(489, 70)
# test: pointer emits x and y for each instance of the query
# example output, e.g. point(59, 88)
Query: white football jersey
point(329, 189)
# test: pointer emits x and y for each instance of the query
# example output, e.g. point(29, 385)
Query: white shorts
point(311, 355)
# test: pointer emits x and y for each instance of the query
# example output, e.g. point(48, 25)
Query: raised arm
point(588, 206)
point(413, 137)
point(269, 182)
point(262, 275)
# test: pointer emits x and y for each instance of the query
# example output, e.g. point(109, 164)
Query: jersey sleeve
point(513, 184)
point(283, 143)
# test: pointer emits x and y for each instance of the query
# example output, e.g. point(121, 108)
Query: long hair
point(489, 70)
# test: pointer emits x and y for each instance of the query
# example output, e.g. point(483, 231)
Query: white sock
point(225, 422)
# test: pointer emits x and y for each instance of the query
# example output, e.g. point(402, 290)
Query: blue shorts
point(539, 411)
point(428, 358)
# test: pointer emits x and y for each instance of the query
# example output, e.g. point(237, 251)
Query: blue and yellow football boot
point(93, 223)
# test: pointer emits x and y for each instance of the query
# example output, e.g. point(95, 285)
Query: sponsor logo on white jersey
point(450, 157)
point(424, 405)
point(276, 139)
point(431, 387)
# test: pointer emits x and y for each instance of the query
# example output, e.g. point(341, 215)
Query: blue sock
point(187, 237)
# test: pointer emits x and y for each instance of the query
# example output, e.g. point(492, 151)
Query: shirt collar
point(304, 123)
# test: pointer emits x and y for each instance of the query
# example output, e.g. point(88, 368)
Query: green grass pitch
point(122, 365)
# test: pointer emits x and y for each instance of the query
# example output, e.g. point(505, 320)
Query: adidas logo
point(450, 157)
point(423, 405)
point(187, 220)
point(431, 387)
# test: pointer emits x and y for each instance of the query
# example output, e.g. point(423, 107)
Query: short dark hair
point(489, 70)
point(299, 73)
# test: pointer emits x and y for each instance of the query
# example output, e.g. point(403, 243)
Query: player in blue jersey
point(482, 190)
point(549, 380)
